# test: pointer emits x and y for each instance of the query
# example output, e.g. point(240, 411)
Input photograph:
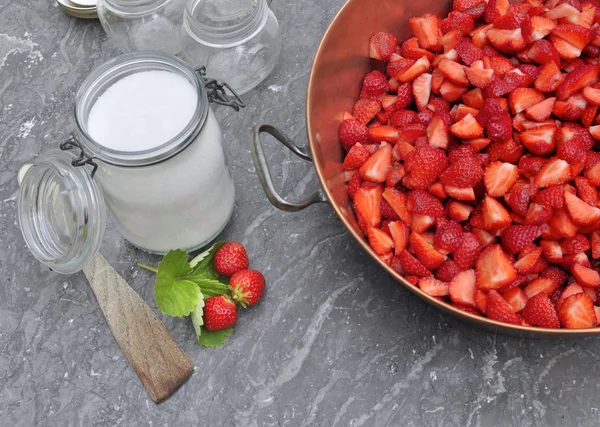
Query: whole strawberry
point(247, 287)
point(219, 313)
point(230, 258)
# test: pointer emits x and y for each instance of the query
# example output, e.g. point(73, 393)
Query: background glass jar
point(237, 40)
point(142, 24)
point(177, 195)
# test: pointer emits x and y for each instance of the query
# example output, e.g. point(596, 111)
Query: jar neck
point(229, 29)
point(109, 73)
point(135, 7)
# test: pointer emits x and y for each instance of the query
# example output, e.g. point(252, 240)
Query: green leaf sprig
point(182, 286)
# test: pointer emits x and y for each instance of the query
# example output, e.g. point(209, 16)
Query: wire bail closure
point(215, 90)
point(83, 159)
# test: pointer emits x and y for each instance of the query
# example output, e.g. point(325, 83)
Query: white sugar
point(142, 111)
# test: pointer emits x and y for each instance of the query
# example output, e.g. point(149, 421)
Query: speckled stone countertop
point(336, 342)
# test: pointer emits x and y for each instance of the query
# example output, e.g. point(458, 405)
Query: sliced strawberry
point(437, 132)
point(577, 312)
point(462, 288)
point(382, 46)
point(555, 273)
point(541, 111)
point(516, 237)
point(426, 29)
point(473, 98)
point(562, 11)
point(495, 9)
point(550, 78)
point(494, 214)
point(537, 28)
point(467, 252)
point(447, 237)
point(437, 189)
point(451, 92)
point(378, 166)
point(539, 141)
point(423, 203)
point(412, 266)
point(458, 211)
point(425, 252)
point(418, 68)
point(576, 35)
point(561, 222)
point(494, 270)
point(506, 41)
point(572, 289)
point(365, 110)
point(421, 223)
point(555, 171)
point(400, 233)
point(384, 134)
point(352, 132)
point(551, 197)
point(356, 157)
point(580, 212)
point(541, 285)
point(570, 148)
point(595, 240)
point(516, 298)
point(543, 51)
point(421, 88)
point(433, 287)
point(522, 98)
point(464, 173)
point(454, 72)
point(458, 21)
point(500, 310)
point(368, 204)
point(539, 311)
point(499, 178)
point(575, 244)
point(467, 128)
point(582, 76)
point(398, 201)
point(593, 175)
point(380, 241)
point(586, 276)
point(447, 271)
point(530, 262)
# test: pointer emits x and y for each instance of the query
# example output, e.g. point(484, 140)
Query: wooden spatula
point(158, 361)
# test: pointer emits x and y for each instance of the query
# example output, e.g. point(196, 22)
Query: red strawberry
point(464, 173)
point(423, 203)
point(397, 65)
point(500, 310)
point(543, 51)
point(577, 311)
point(538, 214)
point(447, 237)
point(467, 51)
point(426, 29)
point(382, 46)
point(522, 98)
point(395, 175)
point(494, 270)
point(354, 184)
point(454, 72)
point(402, 118)
point(375, 83)
point(499, 128)
point(219, 313)
point(576, 35)
point(580, 77)
point(506, 41)
point(499, 178)
point(356, 157)
point(462, 288)
point(575, 244)
point(519, 200)
point(411, 265)
point(451, 92)
point(540, 285)
point(539, 311)
point(365, 110)
point(539, 141)
point(571, 150)
point(388, 212)
point(595, 238)
point(433, 287)
point(437, 132)
point(541, 111)
point(352, 132)
point(551, 196)
point(378, 166)
point(230, 258)
point(516, 298)
point(516, 237)
point(400, 234)
point(380, 241)
point(467, 252)
point(494, 214)
point(537, 28)
point(425, 252)
point(247, 286)
point(447, 271)
point(580, 212)
point(495, 9)
point(550, 78)
point(458, 21)
point(555, 171)
point(585, 276)
point(418, 68)
point(458, 211)
point(421, 90)
point(398, 202)
point(368, 204)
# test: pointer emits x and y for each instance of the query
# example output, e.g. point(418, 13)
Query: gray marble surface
point(336, 342)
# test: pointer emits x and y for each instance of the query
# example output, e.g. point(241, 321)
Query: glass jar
point(142, 24)
point(237, 40)
point(177, 195)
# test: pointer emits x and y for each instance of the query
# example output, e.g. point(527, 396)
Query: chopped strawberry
point(382, 46)
point(582, 76)
point(425, 252)
point(433, 287)
point(494, 214)
point(378, 166)
point(539, 311)
point(577, 312)
point(499, 178)
point(554, 171)
point(418, 68)
point(494, 270)
point(561, 222)
point(537, 28)
point(586, 277)
point(352, 132)
point(421, 88)
point(541, 285)
point(380, 241)
point(462, 288)
point(426, 29)
point(516, 237)
point(467, 252)
point(356, 157)
point(464, 173)
point(448, 237)
point(400, 233)
point(458, 21)
point(375, 83)
point(412, 266)
point(454, 72)
point(451, 92)
point(541, 111)
point(402, 118)
point(576, 35)
point(531, 262)
point(522, 98)
point(500, 310)
point(542, 51)
point(580, 212)
point(398, 201)
point(458, 211)
point(550, 78)
point(365, 110)
point(495, 9)
point(467, 128)
point(506, 41)
point(397, 65)
point(551, 197)
point(572, 150)
point(516, 298)
point(437, 132)
point(368, 204)
point(575, 244)
point(384, 134)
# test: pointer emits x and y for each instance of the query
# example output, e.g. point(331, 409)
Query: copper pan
point(341, 62)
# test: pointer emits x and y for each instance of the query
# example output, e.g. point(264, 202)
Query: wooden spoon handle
point(158, 361)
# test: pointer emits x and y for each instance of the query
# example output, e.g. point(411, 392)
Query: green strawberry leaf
point(202, 264)
point(210, 288)
point(197, 319)
point(174, 296)
point(214, 339)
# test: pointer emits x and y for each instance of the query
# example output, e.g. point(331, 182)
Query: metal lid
point(61, 210)
point(85, 9)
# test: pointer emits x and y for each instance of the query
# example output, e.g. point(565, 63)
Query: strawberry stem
point(147, 267)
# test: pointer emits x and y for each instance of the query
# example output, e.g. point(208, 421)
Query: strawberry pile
point(471, 161)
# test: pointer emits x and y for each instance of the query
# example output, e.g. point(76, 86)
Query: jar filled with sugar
point(149, 147)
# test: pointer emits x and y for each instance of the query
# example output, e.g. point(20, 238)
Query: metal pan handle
point(264, 174)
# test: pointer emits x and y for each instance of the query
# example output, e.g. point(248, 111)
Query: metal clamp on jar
point(168, 194)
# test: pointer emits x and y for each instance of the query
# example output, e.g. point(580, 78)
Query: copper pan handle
point(264, 174)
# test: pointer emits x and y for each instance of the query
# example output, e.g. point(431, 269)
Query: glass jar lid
point(61, 211)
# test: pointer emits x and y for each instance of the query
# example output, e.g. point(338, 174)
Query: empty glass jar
point(237, 40)
point(143, 24)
